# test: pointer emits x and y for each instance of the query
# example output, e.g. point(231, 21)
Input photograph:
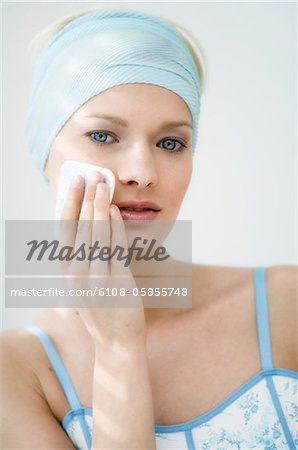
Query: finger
point(118, 239)
point(121, 275)
point(74, 198)
point(85, 224)
point(88, 201)
point(102, 202)
point(66, 226)
point(101, 233)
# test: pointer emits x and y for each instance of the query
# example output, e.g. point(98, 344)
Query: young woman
point(121, 90)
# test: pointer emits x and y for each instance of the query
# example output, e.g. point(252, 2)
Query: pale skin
point(212, 344)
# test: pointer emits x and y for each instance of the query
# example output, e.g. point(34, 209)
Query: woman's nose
point(138, 167)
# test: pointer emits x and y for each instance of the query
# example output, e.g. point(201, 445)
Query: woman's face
point(142, 133)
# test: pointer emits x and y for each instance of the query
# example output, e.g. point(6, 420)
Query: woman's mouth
point(138, 210)
point(137, 214)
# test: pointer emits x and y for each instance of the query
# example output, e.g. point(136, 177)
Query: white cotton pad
point(68, 171)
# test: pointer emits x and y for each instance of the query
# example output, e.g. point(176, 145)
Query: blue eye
point(100, 137)
point(170, 145)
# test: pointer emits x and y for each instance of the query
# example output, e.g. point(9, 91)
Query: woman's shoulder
point(26, 411)
point(281, 286)
point(219, 285)
point(282, 283)
point(19, 350)
point(16, 343)
point(281, 280)
point(19, 357)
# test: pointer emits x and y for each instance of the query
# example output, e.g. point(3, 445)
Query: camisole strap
point(262, 317)
point(57, 364)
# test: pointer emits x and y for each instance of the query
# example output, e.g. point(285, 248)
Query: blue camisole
point(260, 414)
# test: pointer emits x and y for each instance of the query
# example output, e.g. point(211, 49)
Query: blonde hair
point(44, 36)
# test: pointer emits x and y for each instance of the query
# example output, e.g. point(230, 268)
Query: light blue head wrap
point(97, 51)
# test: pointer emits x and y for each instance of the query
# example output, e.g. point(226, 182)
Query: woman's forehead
point(136, 98)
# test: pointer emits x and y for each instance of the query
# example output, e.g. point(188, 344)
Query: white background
point(242, 199)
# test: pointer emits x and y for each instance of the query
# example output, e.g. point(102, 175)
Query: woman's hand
point(87, 217)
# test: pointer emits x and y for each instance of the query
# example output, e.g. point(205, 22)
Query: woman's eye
point(101, 137)
point(171, 145)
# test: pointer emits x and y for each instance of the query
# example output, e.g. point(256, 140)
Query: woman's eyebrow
point(123, 123)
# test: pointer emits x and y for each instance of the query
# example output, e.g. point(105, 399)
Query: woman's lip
point(138, 215)
point(138, 204)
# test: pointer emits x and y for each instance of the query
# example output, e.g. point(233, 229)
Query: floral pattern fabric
point(250, 421)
